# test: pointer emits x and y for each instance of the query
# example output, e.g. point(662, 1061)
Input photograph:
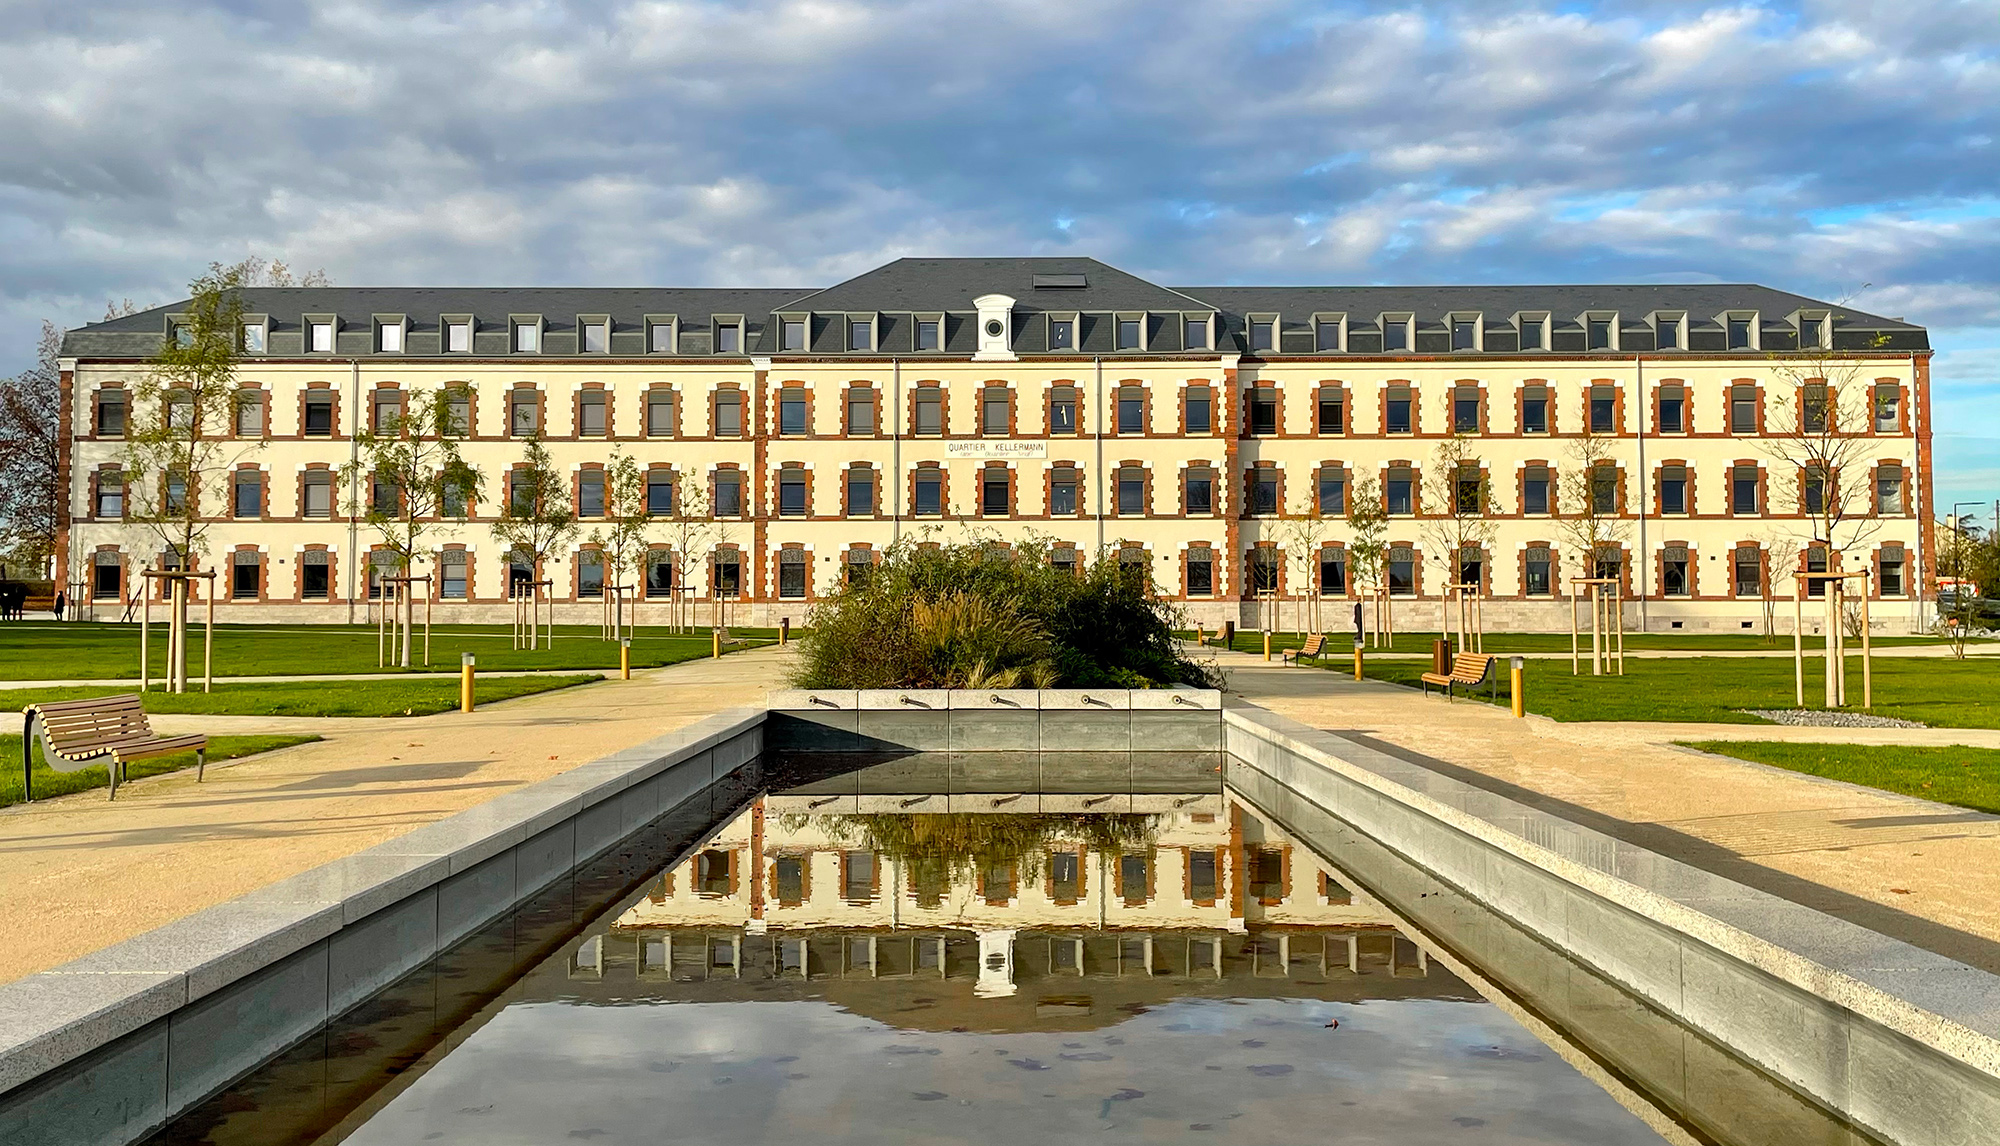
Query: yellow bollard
point(1267, 644)
point(1518, 685)
point(717, 635)
point(1357, 660)
point(465, 682)
point(625, 659)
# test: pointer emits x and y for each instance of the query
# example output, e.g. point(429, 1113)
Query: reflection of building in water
point(993, 901)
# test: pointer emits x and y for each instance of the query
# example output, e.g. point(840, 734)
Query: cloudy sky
point(1838, 148)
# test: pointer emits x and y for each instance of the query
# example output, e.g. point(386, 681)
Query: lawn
point(411, 697)
point(1939, 692)
point(49, 783)
point(1342, 641)
point(45, 650)
point(1967, 777)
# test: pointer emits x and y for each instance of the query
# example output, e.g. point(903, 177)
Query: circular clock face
point(993, 327)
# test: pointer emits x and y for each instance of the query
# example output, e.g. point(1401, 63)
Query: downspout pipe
point(1097, 417)
point(895, 450)
point(353, 480)
point(1644, 408)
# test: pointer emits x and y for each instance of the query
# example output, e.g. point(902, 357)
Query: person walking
point(61, 601)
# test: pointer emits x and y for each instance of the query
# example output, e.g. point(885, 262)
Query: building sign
point(996, 450)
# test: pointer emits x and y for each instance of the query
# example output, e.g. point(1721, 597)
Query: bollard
point(717, 635)
point(465, 682)
point(784, 631)
point(1520, 667)
point(1357, 660)
point(1267, 644)
point(625, 658)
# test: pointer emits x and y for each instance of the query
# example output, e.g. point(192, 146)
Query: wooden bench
point(1315, 646)
point(107, 730)
point(1468, 671)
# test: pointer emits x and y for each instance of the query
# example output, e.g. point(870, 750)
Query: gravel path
point(1819, 718)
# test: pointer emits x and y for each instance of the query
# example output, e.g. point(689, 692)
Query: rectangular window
point(791, 413)
point(1673, 412)
point(1815, 409)
point(596, 338)
point(1332, 493)
point(1200, 411)
point(860, 491)
point(860, 334)
point(1667, 334)
point(1674, 572)
point(660, 414)
point(1200, 492)
point(659, 574)
point(1131, 412)
point(1535, 414)
point(729, 414)
point(1128, 333)
point(1535, 492)
point(1815, 491)
point(107, 576)
point(452, 580)
point(452, 499)
point(1464, 334)
point(1888, 409)
point(791, 573)
point(792, 493)
point(1062, 412)
point(659, 493)
point(729, 338)
point(929, 408)
point(793, 332)
point(930, 493)
point(458, 337)
point(111, 413)
point(1603, 410)
point(527, 338)
point(317, 499)
point(1889, 490)
point(314, 580)
point(993, 489)
point(1402, 571)
point(927, 335)
point(1749, 577)
point(1131, 493)
point(1531, 334)
point(110, 496)
point(1395, 334)
point(590, 419)
point(1264, 492)
point(1401, 489)
point(1326, 336)
point(1892, 571)
point(729, 493)
point(660, 338)
point(1062, 492)
point(1673, 492)
point(1396, 413)
point(245, 576)
point(1062, 334)
point(860, 412)
point(590, 574)
point(1264, 410)
point(994, 411)
point(1333, 572)
point(1742, 410)
point(1739, 333)
point(1465, 414)
point(1263, 334)
point(524, 414)
point(1332, 413)
point(1196, 334)
point(319, 414)
point(253, 338)
point(249, 495)
point(1597, 334)
point(320, 338)
point(249, 413)
point(1603, 489)
point(1201, 572)
point(1743, 491)
point(389, 338)
point(1535, 572)
point(386, 411)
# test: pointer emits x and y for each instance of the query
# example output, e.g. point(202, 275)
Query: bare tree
point(31, 497)
point(536, 518)
point(256, 271)
point(1818, 443)
point(415, 477)
point(628, 521)
point(1301, 535)
point(1458, 496)
point(1590, 513)
point(1367, 545)
point(689, 525)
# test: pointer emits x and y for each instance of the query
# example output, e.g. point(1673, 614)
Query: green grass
point(50, 783)
point(411, 697)
point(45, 650)
point(1341, 640)
point(1967, 777)
point(1940, 692)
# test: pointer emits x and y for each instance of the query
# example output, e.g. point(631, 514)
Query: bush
point(978, 616)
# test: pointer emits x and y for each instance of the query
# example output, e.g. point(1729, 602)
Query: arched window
point(1200, 571)
point(1332, 571)
point(1538, 571)
point(792, 500)
point(1131, 491)
point(996, 487)
point(792, 573)
point(659, 573)
point(1402, 568)
point(1674, 571)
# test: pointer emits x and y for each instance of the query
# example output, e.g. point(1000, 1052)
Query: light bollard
point(1267, 644)
point(625, 658)
point(1357, 658)
point(1517, 684)
point(784, 631)
point(465, 682)
point(717, 635)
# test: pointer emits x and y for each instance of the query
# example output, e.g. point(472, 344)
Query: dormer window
point(527, 336)
point(729, 336)
point(1741, 330)
point(1667, 331)
point(1812, 330)
point(930, 332)
point(792, 333)
point(1195, 333)
point(1327, 333)
point(596, 336)
point(1600, 332)
point(1465, 332)
point(660, 334)
point(253, 336)
point(1263, 333)
point(861, 334)
point(319, 336)
point(458, 335)
point(1062, 334)
point(1131, 332)
point(1534, 331)
point(388, 335)
point(1395, 332)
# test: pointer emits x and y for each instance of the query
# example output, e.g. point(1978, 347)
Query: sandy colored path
point(78, 872)
point(1925, 873)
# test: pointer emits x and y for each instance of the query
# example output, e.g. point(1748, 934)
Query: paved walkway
point(79, 872)
point(1922, 872)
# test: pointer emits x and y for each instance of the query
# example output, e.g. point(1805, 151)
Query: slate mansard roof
point(896, 297)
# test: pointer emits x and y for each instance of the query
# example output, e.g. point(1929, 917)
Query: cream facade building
point(1211, 435)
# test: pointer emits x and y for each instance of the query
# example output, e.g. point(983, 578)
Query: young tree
point(1301, 535)
point(1816, 437)
point(1590, 516)
point(536, 519)
point(1458, 496)
point(181, 446)
point(410, 476)
point(1367, 527)
point(628, 522)
point(31, 498)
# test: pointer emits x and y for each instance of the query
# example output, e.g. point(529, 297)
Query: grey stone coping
point(52, 1017)
point(1048, 699)
point(1938, 1002)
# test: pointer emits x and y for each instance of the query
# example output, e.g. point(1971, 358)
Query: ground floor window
point(246, 575)
point(451, 575)
point(659, 574)
point(315, 575)
point(590, 574)
point(1333, 572)
point(728, 573)
point(1402, 569)
point(1892, 571)
point(107, 576)
point(791, 573)
point(1674, 571)
point(1201, 572)
point(1536, 571)
point(1749, 578)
